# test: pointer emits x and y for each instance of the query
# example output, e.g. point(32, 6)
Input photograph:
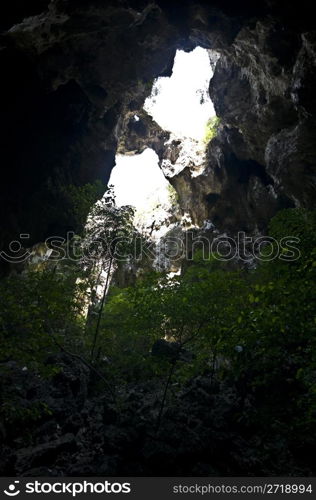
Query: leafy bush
point(173, 195)
point(256, 328)
point(253, 330)
point(78, 201)
point(36, 310)
point(211, 129)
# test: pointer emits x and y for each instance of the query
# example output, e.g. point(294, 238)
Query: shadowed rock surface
point(73, 72)
point(205, 430)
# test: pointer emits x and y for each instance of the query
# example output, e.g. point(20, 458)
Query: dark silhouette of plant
point(108, 237)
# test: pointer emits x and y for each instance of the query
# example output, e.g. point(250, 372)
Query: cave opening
point(138, 181)
point(181, 106)
point(186, 350)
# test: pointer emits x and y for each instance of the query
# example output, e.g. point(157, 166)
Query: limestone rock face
point(140, 131)
point(70, 76)
point(263, 158)
point(185, 166)
point(268, 132)
point(84, 435)
point(75, 73)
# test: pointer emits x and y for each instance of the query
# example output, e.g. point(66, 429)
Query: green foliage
point(109, 227)
point(211, 129)
point(173, 195)
point(79, 199)
point(14, 413)
point(109, 235)
point(298, 223)
point(149, 84)
point(192, 310)
point(37, 308)
point(254, 330)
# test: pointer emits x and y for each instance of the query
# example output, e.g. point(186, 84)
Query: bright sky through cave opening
point(179, 104)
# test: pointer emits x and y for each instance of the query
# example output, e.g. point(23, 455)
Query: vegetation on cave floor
point(252, 331)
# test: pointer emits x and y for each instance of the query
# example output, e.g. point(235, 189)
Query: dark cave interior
point(74, 73)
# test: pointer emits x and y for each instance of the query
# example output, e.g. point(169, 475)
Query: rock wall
point(73, 72)
point(263, 158)
point(85, 434)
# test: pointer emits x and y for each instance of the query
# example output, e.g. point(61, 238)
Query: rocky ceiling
point(72, 71)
